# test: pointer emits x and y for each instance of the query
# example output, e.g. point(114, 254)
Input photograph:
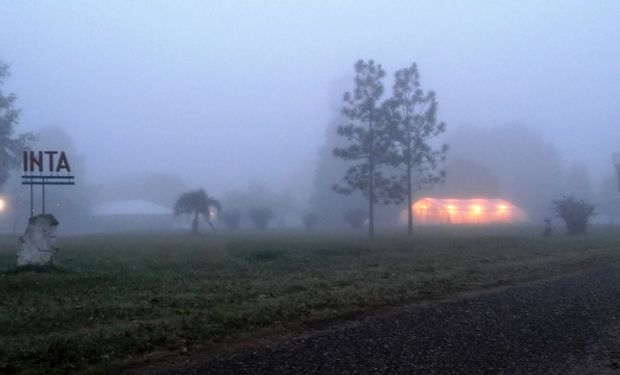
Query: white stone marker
point(37, 245)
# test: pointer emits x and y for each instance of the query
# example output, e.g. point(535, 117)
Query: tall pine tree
point(411, 117)
point(366, 144)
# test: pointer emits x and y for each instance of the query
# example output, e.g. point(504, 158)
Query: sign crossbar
point(47, 180)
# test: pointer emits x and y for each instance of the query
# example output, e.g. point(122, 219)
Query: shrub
point(310, 220)
point(260, 217)
point(355, 217)
point(232, 219)
point(575, 212)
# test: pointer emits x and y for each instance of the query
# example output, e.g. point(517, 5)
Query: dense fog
point(243, 99)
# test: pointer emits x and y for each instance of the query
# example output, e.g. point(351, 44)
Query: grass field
point(120, 300)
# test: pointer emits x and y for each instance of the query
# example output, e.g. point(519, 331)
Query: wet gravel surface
point(562, 326)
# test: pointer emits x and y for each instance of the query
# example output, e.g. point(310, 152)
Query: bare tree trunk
point(195, 223)
point(409, 202)
point(408, 156)
point(371, 205)
point(371, 179)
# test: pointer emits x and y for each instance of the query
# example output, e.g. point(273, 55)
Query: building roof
point(130, 207)
point(465, 211)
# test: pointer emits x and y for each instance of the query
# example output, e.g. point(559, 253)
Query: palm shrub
point(196, 203)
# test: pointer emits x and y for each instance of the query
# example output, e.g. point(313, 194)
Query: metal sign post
point(50, 172)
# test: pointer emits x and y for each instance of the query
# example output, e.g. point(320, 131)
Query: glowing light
point(476, 209)
point(433, 211)
point(420, 207)
point(2, 204)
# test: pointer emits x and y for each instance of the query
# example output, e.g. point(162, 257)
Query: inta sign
point(45, 168)
point(42, 159)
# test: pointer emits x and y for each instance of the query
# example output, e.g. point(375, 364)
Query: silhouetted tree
point(310, 220)
point(365, 146)
point(231, 218)
point(282, 204)
point(608, 201)
point(355, 217)
point(411, 116)
point(515, 156)
point(575, 212)
point(577, 182)
point(329, 169)
point(547, 231)
point(466, 179)
point(260, 217)
point(10, 145)
point(197, 203)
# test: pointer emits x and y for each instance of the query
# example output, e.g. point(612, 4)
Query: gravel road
point(569, 325)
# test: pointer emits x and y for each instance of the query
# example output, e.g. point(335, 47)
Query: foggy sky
point(226, 93)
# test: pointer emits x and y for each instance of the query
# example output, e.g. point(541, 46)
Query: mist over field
point(267, 186)
point(243, 99)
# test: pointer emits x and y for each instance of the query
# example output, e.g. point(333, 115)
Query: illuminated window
point(476, 209)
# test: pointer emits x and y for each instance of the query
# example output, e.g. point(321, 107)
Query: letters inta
point(36, 161)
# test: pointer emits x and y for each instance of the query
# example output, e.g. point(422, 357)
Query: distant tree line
point(388, 148)
point(198, 204)
point(260, 217)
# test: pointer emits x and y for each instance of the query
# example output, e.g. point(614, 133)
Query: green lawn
point(117, 301)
